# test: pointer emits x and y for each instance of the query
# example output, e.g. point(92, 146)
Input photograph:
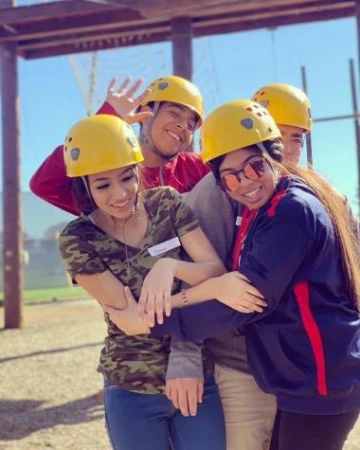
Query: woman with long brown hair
point(127, 236)
point(296, 246)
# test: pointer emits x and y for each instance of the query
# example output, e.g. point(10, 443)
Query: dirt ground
point(49, 384)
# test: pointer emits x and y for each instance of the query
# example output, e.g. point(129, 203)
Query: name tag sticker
point(159, 249)
point(238, 221)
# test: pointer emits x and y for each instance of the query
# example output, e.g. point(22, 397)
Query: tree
point(53, 231)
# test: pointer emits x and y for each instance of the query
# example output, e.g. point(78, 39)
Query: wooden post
point(182, 47)
point(12, 223)
point(354, 96)
point(309, 153)
point(356, 120)
point(182, 51)
point(357, 15)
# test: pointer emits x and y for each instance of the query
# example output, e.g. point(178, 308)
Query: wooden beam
point(52, 10)
point(71, 48)
point(189, 8)
point(204, 29)
point(126, 37)
point(277, 11)
point(65, 27)
point(113, 20)
point(268, 7)
point(105, 29)
point(80, 23)
point(94, 40)
point(160, 9)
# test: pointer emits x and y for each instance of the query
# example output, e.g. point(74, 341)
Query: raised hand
point(124, 102)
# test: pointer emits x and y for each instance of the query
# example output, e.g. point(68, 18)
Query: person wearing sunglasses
point(296, 246)
point(249, 412)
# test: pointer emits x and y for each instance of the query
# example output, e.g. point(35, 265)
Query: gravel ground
point(49, 384)
point(49, 390)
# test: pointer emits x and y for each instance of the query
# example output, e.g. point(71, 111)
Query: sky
point(226, 67)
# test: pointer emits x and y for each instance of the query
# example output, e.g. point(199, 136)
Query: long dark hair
point(82, 196)
point(334, 203)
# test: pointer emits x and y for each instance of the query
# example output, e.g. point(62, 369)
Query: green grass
point(50, 294)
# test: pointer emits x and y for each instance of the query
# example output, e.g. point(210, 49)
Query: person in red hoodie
point(170, 111)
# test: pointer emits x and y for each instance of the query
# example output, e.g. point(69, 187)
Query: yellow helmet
point(287, 104)
point(100, 143)
point(176, 90)
point(236, 125)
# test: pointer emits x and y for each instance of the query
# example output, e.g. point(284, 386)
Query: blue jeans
point(147, 421)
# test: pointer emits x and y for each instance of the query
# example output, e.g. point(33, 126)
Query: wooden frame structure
point(73, 26)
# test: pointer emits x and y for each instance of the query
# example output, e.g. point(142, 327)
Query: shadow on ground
point(20, 418)
point(50, 352)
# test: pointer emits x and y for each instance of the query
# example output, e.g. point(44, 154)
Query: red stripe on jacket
point(275, 201)
point(301, 291)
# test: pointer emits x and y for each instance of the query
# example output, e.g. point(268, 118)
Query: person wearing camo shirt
point(169, 112)
point(126, 239)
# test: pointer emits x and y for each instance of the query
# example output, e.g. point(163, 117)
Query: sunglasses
point(253, 170)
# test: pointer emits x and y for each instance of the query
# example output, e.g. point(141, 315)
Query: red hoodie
point(51, 184)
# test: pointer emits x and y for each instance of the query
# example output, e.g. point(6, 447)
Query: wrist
point(177, 301)
point(111, 109)
point(214, 287)
point(184, 298)
point(172, 264)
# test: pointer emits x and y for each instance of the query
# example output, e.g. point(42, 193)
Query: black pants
point(311, 432)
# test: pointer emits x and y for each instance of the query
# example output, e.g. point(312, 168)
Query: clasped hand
point(236, 291)
point(155, 297)
point(154, 301)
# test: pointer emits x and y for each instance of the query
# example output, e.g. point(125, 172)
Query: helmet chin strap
point(146, 138)
point(261, 146)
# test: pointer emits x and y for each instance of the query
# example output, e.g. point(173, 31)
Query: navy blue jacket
point(305, 347)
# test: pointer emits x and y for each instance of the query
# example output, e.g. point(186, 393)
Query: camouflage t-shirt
point(136, 363)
